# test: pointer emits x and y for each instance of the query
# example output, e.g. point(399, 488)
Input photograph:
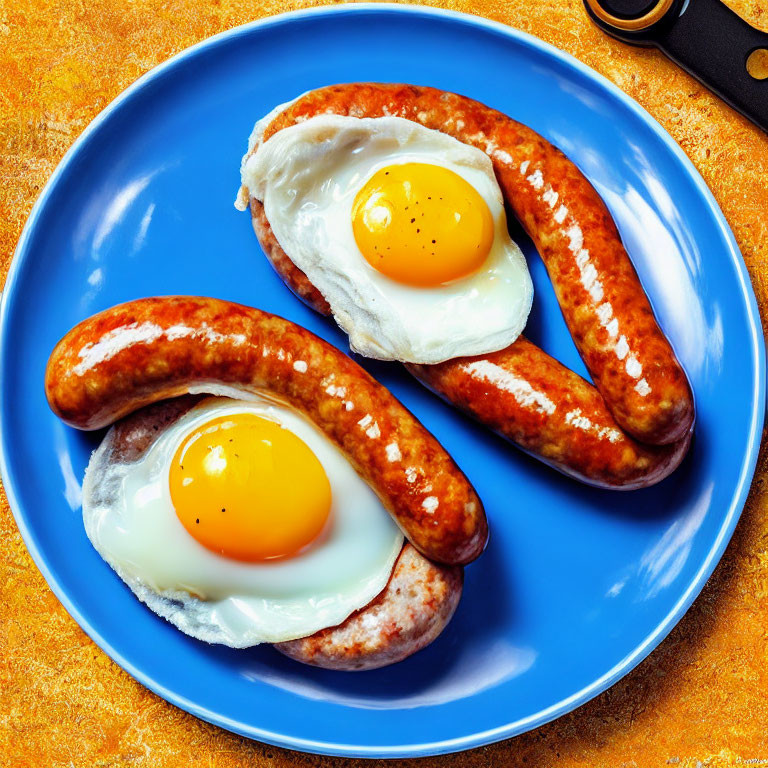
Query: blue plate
point(578, 585)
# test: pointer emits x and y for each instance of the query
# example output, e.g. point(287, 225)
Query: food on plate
point(410, 613)
point(426, 214)
point(552, 413)
point(258, 483)
point(644, 391)
point(150, 349)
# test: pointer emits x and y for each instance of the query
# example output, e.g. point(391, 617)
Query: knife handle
point(713, 43)
point(704, 37)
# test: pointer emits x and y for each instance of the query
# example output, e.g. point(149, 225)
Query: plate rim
point(652, 640)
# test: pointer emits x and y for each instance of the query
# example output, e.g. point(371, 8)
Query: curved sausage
point(414, 608)
point(600, 295)
point(551, 412)
point(151, 349)
point(524, 395)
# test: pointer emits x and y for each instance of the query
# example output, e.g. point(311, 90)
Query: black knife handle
point(705, 37)
point(713, 43)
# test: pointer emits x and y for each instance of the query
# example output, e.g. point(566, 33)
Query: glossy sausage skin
point(600, 295)
point(551, 412)
point(147, 350)
point(527, 397)
point(408, 615)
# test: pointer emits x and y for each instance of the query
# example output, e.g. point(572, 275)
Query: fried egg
point(241, 523)
point(401, 228)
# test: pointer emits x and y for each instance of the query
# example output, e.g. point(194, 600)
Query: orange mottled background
point(701, 699)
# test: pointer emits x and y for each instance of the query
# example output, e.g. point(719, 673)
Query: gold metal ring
point(631, 25)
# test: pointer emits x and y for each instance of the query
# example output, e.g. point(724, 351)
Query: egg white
point(130, 520)
point(307, 176)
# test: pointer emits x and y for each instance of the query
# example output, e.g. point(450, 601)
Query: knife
point(705, 37)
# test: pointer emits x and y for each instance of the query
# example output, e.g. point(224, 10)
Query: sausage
point(152, 349)
point(525, 396)
point(600, 295)
point(291, 275)
point(410, 612)
point(414, 608)
point(552, 413)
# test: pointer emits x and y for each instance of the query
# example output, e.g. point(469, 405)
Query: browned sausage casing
point(600, 295)
point(551, 412)
point(526, 396)
point(414, 608)
point(151, 349)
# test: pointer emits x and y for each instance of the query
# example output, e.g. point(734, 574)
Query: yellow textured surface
point(700, 699)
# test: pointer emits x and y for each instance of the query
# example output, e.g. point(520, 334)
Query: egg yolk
point(421, 224)
point(248, 489)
